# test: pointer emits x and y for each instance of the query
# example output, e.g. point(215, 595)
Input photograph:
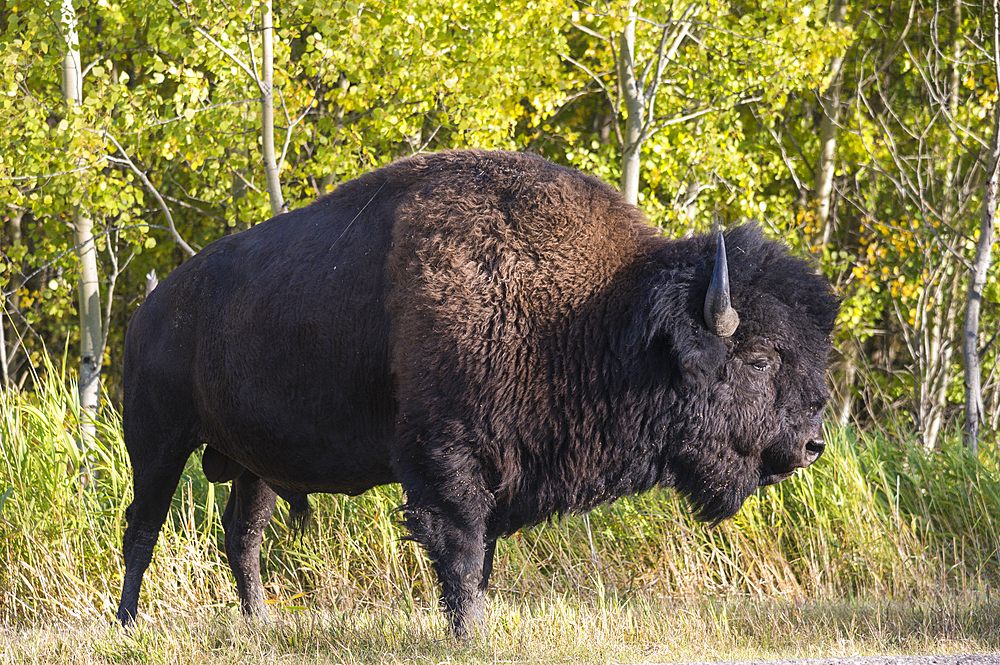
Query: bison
point(506, 338)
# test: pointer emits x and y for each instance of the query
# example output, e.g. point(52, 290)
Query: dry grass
point(556, 629)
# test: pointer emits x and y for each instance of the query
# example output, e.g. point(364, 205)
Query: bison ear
point(663, 329)
point(699, 357)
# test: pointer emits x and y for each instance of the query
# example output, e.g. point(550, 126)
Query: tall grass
point(873, 516)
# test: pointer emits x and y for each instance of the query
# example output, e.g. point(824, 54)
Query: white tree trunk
point(980, 268)
point(11, 302)
point(954, 83)
point(970, 346)
point(632, 96)
point(91, 334)
point(267, 113)
point(72, 72)
point(935, 353)
point(830, 102)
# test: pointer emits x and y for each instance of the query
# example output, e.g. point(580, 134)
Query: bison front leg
point(454, 537)
point(251, 504)
point(457, 553)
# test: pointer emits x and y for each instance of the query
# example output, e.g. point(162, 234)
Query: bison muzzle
point(505, 337)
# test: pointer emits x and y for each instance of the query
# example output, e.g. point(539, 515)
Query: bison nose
point(813, 450)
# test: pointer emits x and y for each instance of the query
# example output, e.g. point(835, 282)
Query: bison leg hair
point(251, 504)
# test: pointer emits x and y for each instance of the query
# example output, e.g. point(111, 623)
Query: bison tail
point(299, 512)
point(299, 515)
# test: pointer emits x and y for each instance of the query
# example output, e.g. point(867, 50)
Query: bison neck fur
point(506, 338)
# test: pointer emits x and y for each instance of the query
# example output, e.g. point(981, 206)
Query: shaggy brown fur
point(505, 337)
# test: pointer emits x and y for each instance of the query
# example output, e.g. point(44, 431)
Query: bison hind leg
point(155, 474)
point(251, 504)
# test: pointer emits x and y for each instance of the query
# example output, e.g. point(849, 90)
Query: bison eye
point(761, 355)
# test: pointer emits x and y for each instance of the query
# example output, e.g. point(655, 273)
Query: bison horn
point(720, 316)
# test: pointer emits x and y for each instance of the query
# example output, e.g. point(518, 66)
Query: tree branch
point(603, 87)
point(156, 194)
point(592, 33)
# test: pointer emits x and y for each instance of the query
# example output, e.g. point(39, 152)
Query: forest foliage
point(860, 133)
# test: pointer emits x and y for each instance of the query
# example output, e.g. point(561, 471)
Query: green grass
point(797, 570)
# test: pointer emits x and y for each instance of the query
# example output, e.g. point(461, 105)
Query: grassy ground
point(552, 630)
point(911, 540)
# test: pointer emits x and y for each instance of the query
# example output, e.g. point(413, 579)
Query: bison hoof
point(124, 619)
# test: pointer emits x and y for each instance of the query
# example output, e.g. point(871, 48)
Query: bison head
point(739, 353)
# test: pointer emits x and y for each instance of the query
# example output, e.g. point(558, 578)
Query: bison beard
point(506, 338)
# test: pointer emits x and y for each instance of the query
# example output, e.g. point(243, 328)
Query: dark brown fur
point(505, 337)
